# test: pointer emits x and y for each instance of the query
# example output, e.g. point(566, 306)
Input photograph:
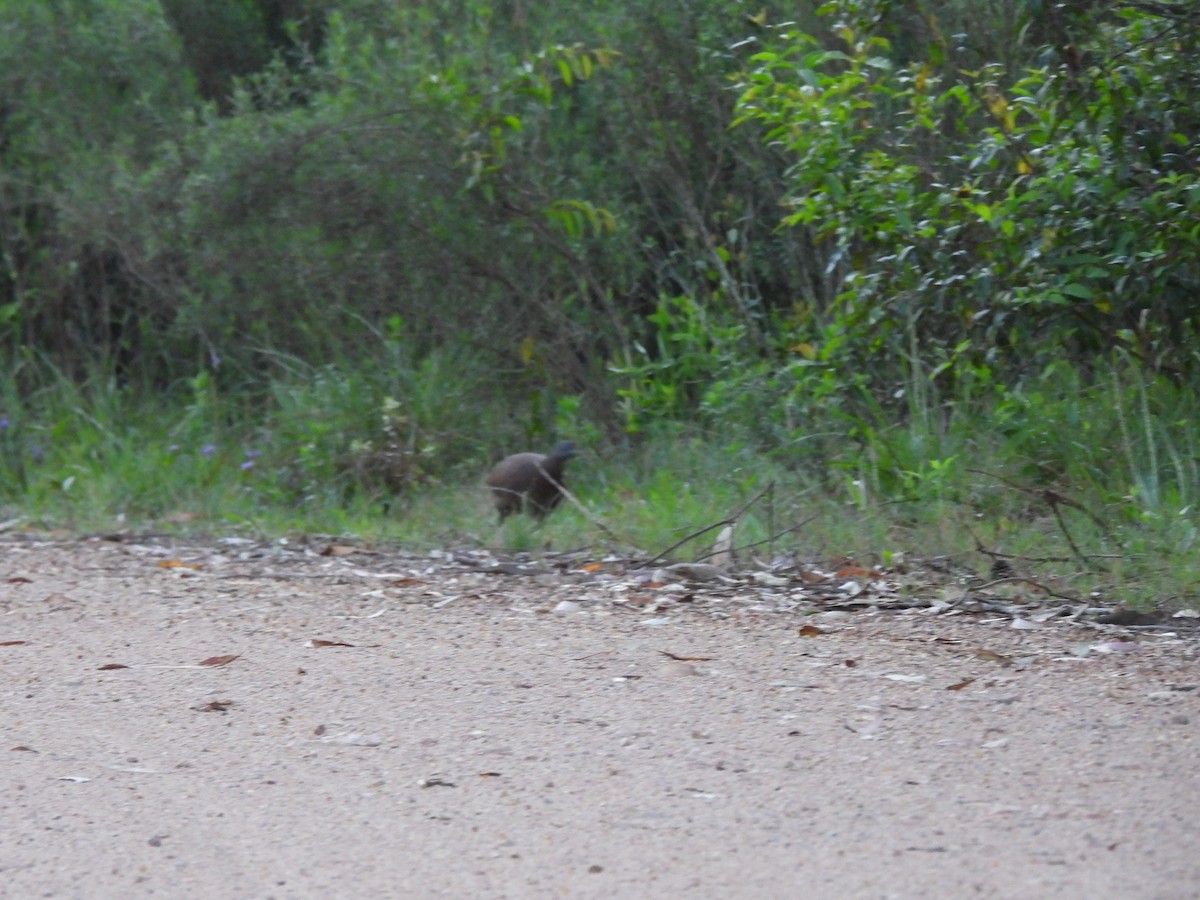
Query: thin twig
point(1018, 579)
point(768, 540)
point(579, 506)
point(1055, 500)
point(996, 554)
point(731, 519)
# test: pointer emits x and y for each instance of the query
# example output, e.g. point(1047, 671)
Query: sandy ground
point(473, 742)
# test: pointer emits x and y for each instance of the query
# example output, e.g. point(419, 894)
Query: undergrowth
point(1090, 485)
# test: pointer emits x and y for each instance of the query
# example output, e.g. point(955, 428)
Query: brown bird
point(525, 482)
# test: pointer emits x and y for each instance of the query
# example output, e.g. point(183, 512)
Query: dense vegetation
point(928, 264)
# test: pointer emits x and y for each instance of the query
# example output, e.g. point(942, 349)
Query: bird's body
point(529, 482)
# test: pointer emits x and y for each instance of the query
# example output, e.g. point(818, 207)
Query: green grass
point(334, 452)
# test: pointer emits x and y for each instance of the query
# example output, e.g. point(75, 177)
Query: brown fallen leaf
point(176, 564)
point(685, 658)
point(337, 550)
point(12, 643)
point(959, 685)
point(855, 572)
point(20, 579)
point(591, 567)
point(993, 656)
point(23, 749)
point(215, 661)
point(849, 663)
point(810, 631)
point(317, 642)
point(108, 667)
point(405, 582)
point(214, 706)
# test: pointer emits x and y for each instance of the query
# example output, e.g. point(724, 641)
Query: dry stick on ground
point(1016, 579)
point(1054, 500)
point(996, 554)
point(731, 519)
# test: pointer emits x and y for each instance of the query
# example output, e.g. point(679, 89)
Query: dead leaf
point(215, 661)
point(12, 643)
point(20, 579)
point(685, 658)
point(317, 642)
point(405, 582)
point(958, 686)
point(855, 572)
point(489, 774)
point(338, 550)
point(108, 667)
point(319, 730)
point(810, 631)
point(23, 749)
point(591, 567)
point(810, 577)
point(176, 564)
point(214, 706)
point(849, 663)
point(637, 600)
point(993, 656)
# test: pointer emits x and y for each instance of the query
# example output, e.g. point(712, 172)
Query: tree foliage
point(651, 210)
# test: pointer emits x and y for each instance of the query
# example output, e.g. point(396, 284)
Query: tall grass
point(395, 450)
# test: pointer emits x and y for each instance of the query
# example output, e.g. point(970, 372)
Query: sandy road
point(489, 747)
